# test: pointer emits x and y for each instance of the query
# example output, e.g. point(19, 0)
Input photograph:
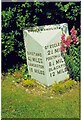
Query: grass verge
point(17, 102)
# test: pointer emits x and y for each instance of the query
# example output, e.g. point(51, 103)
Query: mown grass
point(18, 103)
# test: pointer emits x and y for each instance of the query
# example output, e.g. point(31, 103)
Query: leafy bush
point(71, 11)
point(12, 30)
point(72, 59)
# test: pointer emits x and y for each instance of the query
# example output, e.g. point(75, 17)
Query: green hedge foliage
point(17, 16)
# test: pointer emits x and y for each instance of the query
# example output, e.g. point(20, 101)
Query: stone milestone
point(44, 58)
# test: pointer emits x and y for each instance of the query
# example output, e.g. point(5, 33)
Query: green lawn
point(18, 103)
